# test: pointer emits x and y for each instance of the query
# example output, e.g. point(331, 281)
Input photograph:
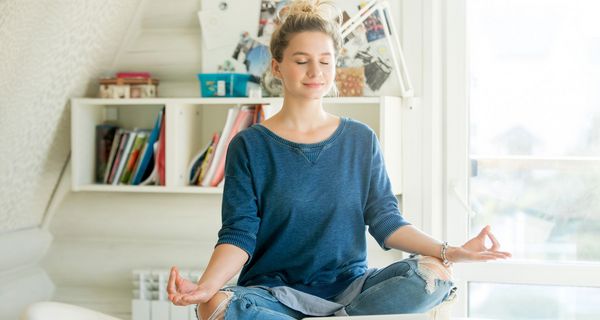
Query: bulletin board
point(235, 35)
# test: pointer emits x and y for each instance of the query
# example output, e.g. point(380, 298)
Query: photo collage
point(364, 64)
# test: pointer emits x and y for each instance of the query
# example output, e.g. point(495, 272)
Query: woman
point(300, 189)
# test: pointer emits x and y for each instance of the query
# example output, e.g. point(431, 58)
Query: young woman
point(300, 189)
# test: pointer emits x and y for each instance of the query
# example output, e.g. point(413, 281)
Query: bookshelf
point(190, 123)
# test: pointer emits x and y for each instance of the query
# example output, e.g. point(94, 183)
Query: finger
point(171, 289)
point(486, 258)
point(484, 231)
point(181, 300)
point(495, 243)
point(191, 299)
point(504, 254)
point(178, 281)
point(175, 298)
point(493, 255)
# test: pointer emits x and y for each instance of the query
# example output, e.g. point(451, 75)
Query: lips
point(313, 85)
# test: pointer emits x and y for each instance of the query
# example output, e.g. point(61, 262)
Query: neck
point(302, 114)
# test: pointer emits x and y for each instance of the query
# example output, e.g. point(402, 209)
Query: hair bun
point(304, 7)
point(324, 9)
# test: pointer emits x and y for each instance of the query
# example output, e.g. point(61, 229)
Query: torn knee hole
point(215, 308)
point(436, 267)
point(431, 269)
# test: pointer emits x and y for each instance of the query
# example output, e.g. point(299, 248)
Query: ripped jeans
point(412, 285)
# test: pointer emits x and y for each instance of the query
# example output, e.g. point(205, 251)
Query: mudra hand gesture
point(183, 292)
point(476, 250)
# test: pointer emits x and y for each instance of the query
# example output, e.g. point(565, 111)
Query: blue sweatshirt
point(300, 210)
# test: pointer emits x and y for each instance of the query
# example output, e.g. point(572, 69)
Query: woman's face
point(307, 68)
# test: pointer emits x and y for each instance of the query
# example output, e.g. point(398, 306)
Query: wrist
point(208, 286)
point(446, 254)
point(451, 254)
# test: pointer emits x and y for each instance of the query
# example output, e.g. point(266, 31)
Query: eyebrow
point(300, 53)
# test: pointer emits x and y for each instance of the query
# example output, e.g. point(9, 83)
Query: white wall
point(51, 51)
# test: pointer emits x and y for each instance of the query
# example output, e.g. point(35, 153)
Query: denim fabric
point(257, 303)
point(396, 289)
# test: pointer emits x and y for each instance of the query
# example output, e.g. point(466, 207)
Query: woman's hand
point(475, 249)
point(183, 292)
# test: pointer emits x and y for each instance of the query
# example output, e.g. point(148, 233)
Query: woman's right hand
point(183, 292)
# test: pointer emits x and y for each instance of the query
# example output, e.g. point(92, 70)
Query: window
point(532, 161)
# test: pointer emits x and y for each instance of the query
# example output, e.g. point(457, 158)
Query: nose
point(314, 70)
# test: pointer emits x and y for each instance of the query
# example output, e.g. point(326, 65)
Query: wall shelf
point(190, 123)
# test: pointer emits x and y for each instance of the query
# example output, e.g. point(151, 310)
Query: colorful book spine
point(105, 134)
point(136, 167)
point(242, 121)
point(113, 152)
point(148, 153)
point(208, 158)
point(140, 139)
point(231, 116)
point(124, 157)
point(161, 153)
point(118, 155)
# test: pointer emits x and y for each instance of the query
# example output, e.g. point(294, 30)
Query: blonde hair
point(306, 15)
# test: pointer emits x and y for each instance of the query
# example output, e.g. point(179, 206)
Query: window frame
point(456, 179)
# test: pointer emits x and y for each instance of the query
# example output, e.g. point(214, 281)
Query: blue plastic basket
point(232, 84)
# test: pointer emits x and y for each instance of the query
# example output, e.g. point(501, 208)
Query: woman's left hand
point(475, 249)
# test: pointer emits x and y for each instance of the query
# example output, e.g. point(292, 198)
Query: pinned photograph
point(374, 27)
point(269, 10)
point(377, 70)
point(350, 82)
point(258, 60)
point(253, 54)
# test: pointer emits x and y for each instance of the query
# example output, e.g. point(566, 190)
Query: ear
point(275, 69)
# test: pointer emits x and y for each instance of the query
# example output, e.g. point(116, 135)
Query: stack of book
point(207, 168)
point(131, 157)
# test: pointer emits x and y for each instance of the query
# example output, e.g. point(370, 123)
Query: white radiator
point(150, 300)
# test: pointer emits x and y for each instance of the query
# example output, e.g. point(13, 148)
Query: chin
point(315, 94)
point(308, 96)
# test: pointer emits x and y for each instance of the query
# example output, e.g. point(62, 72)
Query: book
point(259, 114)
point(151, 176)
point(147, 155)
point(231, 116)
point(196, 163)
point(118, 155)
point(105, 134)
point(113, 152)
point(161, 151)
point(208, 158)
point(243, 120)
point(139, 141)
point(136, 167)
point(124, 156)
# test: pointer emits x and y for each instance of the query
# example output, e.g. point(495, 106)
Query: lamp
point(383, 7)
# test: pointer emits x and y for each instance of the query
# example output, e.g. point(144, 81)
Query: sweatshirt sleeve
point(381, 211)
point(239, 215)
